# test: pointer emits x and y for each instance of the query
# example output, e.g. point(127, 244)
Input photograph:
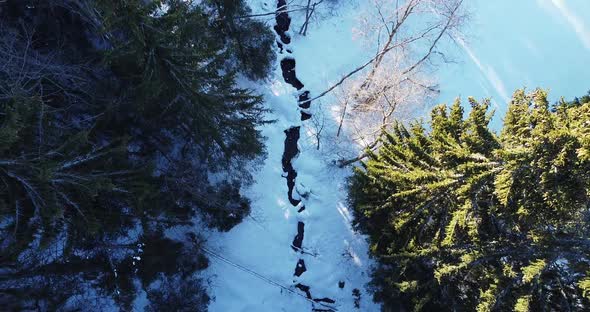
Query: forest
point(463, 218)
point(112, 116)
point(284, 155)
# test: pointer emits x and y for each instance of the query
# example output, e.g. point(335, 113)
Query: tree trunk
point(309, 9)
point(345, 162)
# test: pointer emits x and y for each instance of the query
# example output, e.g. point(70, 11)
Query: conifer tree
point(249, 40)
point(113, 114)
point(172, 67)
point(463, 219)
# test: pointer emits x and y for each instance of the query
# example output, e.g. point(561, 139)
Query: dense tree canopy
point(113, 114)
point(461, 218)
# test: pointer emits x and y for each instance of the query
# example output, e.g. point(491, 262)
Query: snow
point(508, 45)
point(261, 244)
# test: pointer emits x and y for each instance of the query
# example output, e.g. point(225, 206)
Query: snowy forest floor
point(256, 267)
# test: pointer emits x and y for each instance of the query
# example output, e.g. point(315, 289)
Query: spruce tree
point(254, 54)
point(113, 115)
point(460, 218)
point(171, 65)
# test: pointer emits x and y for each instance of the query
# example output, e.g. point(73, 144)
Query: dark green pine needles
point(462, 219)
point(113, 115)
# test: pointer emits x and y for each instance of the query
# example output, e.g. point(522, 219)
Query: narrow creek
point(288, 66)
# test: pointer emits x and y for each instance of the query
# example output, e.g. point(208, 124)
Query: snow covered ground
point(261, 245)
point(510, 44)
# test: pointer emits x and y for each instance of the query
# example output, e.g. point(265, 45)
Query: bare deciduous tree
point(318, 121)
point(409, 37)
point(310, 8)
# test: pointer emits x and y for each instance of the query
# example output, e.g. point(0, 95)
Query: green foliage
point(254, 53)
point(113, 114)
point(576, 102)
point(522, 304)
point(487, 299)
point(224, 206)
point(585, 287)
point(460, 213)
point(172, 67)
point(533, 270)
point(50, 175)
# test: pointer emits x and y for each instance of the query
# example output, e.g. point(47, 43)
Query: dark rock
point(280, 45)
point(289, 153)
point(283, 21)
point(326, 300)
point(288, 69)
point(298, 240)
point(356, 294)
point(282, 34)
point(305, 116)
point(305, 289)
point(300, 268)
point(303, 97)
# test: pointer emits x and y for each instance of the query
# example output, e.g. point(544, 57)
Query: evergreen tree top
point(459, 213)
